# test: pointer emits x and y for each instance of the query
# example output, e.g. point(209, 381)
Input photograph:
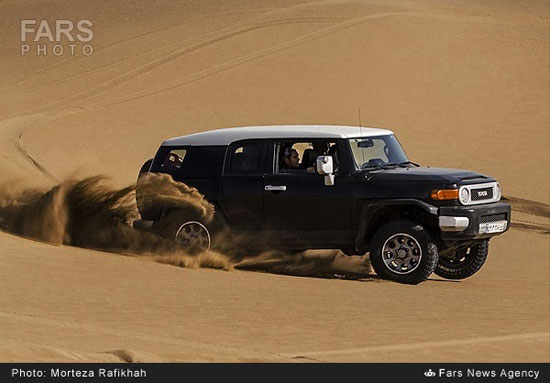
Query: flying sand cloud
point(91, 214)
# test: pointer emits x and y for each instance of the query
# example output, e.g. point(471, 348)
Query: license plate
point(492, 227)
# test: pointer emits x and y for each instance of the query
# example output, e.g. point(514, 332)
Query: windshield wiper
point(405, 163)
point(389, 165)
point(383, 166)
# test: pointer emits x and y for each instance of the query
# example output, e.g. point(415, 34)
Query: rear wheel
point(404, 252)
point(189, 233)
point(464, 263)
point(194, 236)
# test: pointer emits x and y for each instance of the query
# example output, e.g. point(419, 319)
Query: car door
point(243, 184)
point(301, 210)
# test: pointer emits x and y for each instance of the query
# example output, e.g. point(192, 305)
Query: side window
point(190, 162)
point(246, 158)
point(173, 160)
point(300, 156)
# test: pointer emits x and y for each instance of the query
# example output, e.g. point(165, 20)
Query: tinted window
point(173, 159)
point(246, 158)
point(196, 162)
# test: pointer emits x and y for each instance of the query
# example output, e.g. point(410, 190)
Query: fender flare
point(369, 209)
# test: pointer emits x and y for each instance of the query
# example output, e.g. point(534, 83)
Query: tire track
point(252, 20)
point(142, 69)
point(34, 162)
point(117, 333)
point(174, 55)
point(539, 336)
point(249, 57)
point(79, 57)
point(63, 63)
point(527, 225)
point(13, 129)
point(128, 76)
point(530, 208)
point(538, 209)
point(232, 30)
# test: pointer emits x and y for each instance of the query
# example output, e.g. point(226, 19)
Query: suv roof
point(228, 135)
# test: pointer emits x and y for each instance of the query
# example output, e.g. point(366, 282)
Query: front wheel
point(464, 263)
point(403, 252)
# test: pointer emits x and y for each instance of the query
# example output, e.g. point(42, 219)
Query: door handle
point(275, 188)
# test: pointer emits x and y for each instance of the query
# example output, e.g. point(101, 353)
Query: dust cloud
point(90, 213)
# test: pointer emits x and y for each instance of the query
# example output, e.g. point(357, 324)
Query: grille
point(482, 194)
point(492, 218)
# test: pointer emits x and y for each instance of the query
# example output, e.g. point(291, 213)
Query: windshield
point(377, 151)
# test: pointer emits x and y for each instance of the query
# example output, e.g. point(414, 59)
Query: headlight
point(498, 192)
point(464, 196)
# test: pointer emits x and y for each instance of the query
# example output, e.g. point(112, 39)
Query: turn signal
point(444, 194)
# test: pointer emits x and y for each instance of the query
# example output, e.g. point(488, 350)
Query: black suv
point(333, 187)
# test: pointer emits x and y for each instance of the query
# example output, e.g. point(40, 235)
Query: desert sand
point(463, 85)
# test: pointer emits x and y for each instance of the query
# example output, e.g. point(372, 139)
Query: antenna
point(361, 131)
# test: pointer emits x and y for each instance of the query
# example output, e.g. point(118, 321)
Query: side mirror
point(325, 167)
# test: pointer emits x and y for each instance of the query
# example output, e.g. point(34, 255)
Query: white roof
point(228, 135)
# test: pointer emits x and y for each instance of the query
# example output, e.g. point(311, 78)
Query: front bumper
point(474, 222)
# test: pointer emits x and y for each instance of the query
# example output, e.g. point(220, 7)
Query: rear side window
point(246, 158)
point(173, 159)
point(190, 161)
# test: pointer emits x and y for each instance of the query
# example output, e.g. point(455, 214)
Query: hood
point(427, 174)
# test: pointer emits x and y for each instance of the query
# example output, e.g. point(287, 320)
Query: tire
point(404, 252)
point(465, 263)
point(188, 232)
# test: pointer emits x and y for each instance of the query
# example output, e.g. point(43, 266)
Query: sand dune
point(463, 84)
